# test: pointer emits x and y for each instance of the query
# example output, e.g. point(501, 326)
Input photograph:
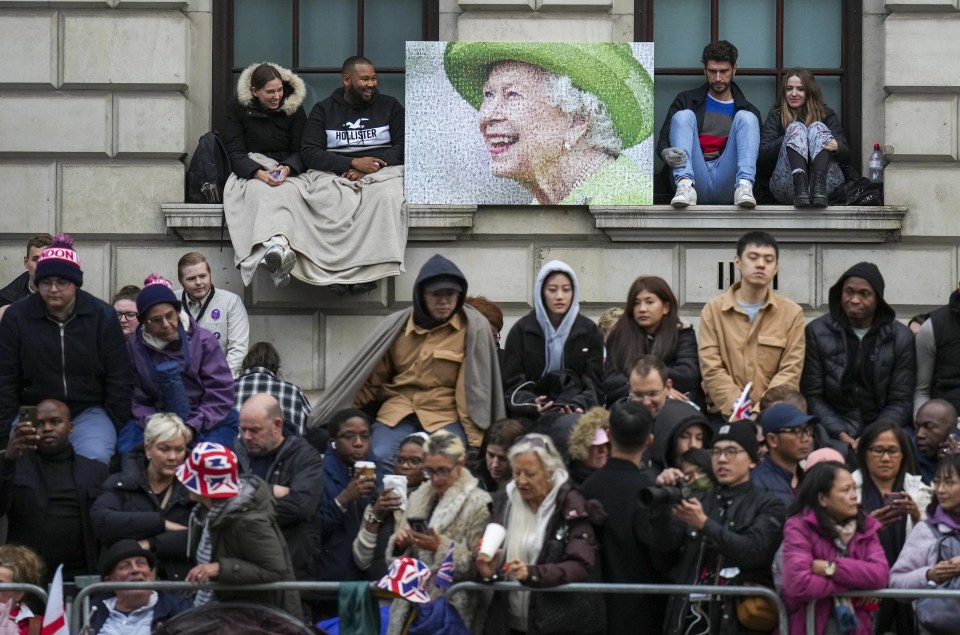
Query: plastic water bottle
point(875, 165)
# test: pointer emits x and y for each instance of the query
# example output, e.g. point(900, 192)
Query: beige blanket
point(343, 231)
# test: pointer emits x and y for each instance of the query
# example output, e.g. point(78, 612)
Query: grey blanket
point(343, 231)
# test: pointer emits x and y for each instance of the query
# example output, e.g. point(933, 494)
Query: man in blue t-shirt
point(711, 136)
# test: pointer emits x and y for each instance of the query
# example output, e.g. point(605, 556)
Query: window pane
point(665, 90)
point(751, 26)
point(812, 35)
point(262, 32)
point(393, 84)
point(760, 91)
point(387, 25)
point(319, 87)
point(328, 32)
point(681, 28)
point(832, 93)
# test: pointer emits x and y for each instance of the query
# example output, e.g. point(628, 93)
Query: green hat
point(606, 69)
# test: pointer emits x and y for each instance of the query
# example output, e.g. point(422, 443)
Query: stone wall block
point(298, 339)
point(921, 5)
point(132, 49)
point(98, 198)
point(151, 4)
point(298, 294)
point(915, 49)
point(500, 273)
point(575, 5)
point(605, 273)
point(28, 189)
point(343, 335)
point(899, 267)
point(61, 123)
point(152, 125)
point(921, 127)
point(931, 193)
point(134, 262)
point(28, 46)
point(57, 4)
point(496, 5)
point(706, 273)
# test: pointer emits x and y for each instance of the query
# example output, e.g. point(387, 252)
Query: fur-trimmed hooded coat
point(460, 516)
point(276, 134)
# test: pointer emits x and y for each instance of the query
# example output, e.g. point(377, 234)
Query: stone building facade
point(102, 100)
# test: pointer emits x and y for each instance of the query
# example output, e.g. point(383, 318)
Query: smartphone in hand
point(419, 525)
point(28, 413)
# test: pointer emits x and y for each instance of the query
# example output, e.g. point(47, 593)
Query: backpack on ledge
point(857, 190)
point(208, 171)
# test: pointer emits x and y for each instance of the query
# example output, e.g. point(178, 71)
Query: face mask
point(701, 484)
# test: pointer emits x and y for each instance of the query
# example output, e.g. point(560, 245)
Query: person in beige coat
point(456, 512)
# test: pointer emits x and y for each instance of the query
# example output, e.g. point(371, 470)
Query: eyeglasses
point(126, 315)
point(351, 437)
point(802, 431)
point(442, 473)
point(729, 453)
point(49, 283)
point(878, 452)
point(158, 320)
point(650, 394)
point(412, 461)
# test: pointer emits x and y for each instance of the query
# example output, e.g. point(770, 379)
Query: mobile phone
point(891, 498)
point(419, 525)
point(277, 173)
point(28, 413)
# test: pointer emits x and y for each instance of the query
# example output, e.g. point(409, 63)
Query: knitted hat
point(121, 550)
point(783, 416)
point(743, 433)
point(59, 259)
point(606, 69)
point(210, 470)
point(156, 290)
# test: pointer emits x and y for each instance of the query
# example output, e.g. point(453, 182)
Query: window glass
point(319, 87)
point(328, 32)
point(751, 26)
point(760, 91)
point(812, 33)
point(387, 25)
point(681, 28)
point(261, 32)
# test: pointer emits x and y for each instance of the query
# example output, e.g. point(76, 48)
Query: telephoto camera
point(666, 495)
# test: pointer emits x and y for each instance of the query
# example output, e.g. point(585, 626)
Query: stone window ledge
point(655, 223)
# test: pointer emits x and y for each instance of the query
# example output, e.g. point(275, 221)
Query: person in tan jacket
point(751, 334)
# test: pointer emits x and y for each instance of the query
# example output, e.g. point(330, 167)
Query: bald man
point(291, 465)
point(933, 425)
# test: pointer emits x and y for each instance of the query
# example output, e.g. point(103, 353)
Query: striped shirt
point(717, 121)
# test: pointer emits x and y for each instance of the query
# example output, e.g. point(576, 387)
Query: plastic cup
point(492, 540)
point(398, 484)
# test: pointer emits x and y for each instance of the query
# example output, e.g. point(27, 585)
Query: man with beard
point(46, 491)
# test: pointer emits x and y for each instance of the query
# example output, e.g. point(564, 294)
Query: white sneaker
point(279, 260)
point(743, 195)
point(685, 195)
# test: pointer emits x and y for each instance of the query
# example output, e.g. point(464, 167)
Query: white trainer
point(743, 195)
point(685, 195)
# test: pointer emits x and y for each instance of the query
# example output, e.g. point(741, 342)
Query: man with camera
point(728, 536)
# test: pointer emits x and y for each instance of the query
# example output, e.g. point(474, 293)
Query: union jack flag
point(741, 407)
point(445, 572)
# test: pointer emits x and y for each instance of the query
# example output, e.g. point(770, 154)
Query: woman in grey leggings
point(802, 143)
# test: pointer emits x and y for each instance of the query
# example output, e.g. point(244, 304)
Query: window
point(771, 36)
point(313, 37)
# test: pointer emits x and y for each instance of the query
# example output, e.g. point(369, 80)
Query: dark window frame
point(223, 49)
point(850, 71)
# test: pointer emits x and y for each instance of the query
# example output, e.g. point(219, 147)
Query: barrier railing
point(78, 619)
point(32, 589)
point(880, 594)
point(656, 589)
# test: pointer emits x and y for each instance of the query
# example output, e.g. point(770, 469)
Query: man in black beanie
point(726, 536)
point(860, 363)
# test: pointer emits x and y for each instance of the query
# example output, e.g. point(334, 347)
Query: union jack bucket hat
point(210, 470)
point(407, 578)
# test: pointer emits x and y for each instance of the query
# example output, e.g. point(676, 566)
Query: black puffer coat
point(277, 134)
point(850, 384)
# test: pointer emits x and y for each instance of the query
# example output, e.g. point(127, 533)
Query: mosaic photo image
point(541, 123)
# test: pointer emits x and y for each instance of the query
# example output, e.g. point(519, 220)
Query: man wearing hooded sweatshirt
point(432, 366)
point(357, 130)
point(860, 363)
point(677, 428)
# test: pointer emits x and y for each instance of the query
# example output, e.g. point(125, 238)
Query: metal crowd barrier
point(78, 617)
point(656, 589)
point(880, 594)
point(32, 589)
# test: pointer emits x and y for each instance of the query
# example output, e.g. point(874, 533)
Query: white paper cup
point(367, 468)
point(493, 537)
point(398, 484)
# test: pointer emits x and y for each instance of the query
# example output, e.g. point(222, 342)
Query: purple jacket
point(208, 380)
point(865, 568)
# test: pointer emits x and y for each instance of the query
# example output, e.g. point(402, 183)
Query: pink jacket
point(865, 568)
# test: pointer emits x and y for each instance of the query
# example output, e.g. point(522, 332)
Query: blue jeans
point(716, 180)
point(386, 439)
point(225, 433)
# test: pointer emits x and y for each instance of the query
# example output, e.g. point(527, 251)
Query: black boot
point(801, 191)
point(818, 195)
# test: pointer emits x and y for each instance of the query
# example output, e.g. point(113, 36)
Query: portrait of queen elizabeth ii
point(530, 122)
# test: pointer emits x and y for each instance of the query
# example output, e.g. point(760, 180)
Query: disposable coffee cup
point(365, 468)
point(493, 537)
point(398, 484)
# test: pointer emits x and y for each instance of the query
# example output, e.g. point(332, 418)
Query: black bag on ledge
point(857, 190)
